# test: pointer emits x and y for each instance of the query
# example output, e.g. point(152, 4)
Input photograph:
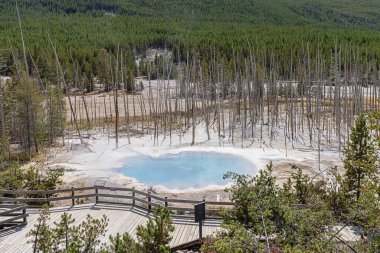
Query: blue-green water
point(186, 169)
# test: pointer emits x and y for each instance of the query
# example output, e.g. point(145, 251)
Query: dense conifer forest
point(82, 28)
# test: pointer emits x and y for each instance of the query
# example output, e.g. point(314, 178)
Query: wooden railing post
point(166, 202)
point(133, 196)
point(14, 197)
point(149, 202)
point(204, 201)
point(201, 223)
point(24, 212)
point(72, 196)
point(47, 198)
point(96, 195)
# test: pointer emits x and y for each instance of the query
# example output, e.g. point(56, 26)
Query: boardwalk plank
point(176, 233)
point(121, 219)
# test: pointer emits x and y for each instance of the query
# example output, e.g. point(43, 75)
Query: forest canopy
point(84, 27)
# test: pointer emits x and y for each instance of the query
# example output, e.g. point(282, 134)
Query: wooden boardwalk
point(121, 219)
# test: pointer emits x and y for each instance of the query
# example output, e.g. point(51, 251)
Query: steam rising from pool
point(186, 169)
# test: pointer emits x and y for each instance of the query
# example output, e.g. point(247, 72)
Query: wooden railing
point(12, 216)
point(108, 195)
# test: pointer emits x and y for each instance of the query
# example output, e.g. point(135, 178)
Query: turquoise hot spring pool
point(186, 169)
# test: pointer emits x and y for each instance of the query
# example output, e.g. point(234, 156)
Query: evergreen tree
point(122, 244)
point(155, 237)
point(30, 116)
point(56, 112)
point(63, 232)
point(360, 156)
point(104, 68)
point(42, 236)
point(65, 237)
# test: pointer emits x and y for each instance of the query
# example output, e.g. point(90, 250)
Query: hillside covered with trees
point(83, 27)
point(346, 13)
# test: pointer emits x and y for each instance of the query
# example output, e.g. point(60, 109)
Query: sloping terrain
point(336, 13)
